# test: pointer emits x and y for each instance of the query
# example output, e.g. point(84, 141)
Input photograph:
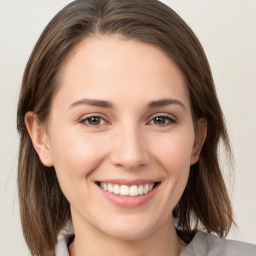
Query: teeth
point(140, 189)
point(116, 189)
point(110, 188)
point(133, 191)
point(145, 189)
point(125, 190)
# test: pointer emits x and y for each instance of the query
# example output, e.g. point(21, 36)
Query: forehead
point(101, 66)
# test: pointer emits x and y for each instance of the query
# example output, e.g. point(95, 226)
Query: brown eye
point(93, 121)
point(162, 120)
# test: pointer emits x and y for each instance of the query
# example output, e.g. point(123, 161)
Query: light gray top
point(203, 244)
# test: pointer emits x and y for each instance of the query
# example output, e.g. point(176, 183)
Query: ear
point(39, 137)
point(201, 132)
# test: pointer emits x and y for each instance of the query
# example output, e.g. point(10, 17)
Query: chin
point(129, 234)
point(131, 228)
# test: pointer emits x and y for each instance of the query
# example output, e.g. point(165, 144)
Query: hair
point(44, 209)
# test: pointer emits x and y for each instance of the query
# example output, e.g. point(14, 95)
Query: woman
point(120, 125)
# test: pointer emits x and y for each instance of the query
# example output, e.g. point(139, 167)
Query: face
point(121, 136)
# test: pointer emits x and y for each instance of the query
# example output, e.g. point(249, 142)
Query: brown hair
point(43, 207)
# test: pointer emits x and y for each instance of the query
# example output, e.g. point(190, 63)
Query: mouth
point(128, 190)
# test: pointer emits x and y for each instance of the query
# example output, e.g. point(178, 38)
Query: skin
point(126, 141)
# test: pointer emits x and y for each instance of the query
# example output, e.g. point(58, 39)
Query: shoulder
point(61, 248)
point(203, 244)
point(210, 245)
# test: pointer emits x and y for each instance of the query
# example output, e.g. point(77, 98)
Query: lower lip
point(129, 201)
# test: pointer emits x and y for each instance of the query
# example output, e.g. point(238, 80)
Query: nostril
point(130, 154)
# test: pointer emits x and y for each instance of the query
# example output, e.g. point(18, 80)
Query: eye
point(93, 121)
point(162, 120)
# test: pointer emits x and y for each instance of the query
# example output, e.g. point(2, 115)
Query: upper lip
point(128, 182)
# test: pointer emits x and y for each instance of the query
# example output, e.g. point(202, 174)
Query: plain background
point(227, 31)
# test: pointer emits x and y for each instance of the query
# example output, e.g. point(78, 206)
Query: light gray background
point(227, 30)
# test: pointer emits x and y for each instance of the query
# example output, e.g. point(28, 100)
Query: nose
point(129, 149)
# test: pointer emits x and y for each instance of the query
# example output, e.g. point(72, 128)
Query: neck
point(91, 241)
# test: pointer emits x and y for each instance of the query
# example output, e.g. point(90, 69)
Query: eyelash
point(168, 120)
point(86, 120)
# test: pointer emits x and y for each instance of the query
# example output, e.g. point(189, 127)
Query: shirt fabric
point(202, 244)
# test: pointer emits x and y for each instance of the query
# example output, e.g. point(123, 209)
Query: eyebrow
point(92, 102)
point(107, 104)
point(165, 102)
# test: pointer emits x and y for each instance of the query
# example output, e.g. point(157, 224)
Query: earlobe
point(39, 137)
point(200, 137)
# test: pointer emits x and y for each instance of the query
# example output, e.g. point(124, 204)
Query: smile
point(124, 190)
point(128, 194)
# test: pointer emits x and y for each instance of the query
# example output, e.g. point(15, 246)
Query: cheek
point(76, 155)
point(175, 152)
point(175, 156)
